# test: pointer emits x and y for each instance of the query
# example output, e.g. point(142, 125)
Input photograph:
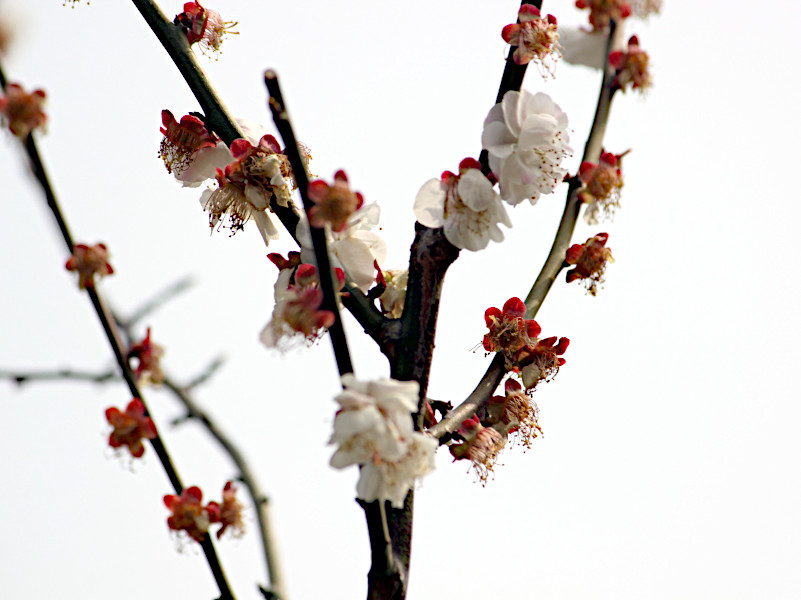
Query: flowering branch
point(554, 263)
point(281, 119)
point(117, 347)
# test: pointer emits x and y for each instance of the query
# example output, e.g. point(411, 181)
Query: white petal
point(429, 206)
point(267, 228)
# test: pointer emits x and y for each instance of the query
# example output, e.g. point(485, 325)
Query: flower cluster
point(183, 140)
point(511, 334)
point(89, 261)
point(604, 11)
point(487, 432)
point(189, 514)
point(334, 204)
point(589, 260)
point(148, 356)
point(21, 111)
point(246, 186)
point(204, 27)
point(602, 185)
point(631, 67)
point(465, 205)
point(356, 249)
point(526, 137)
point(374, 429)
point(130, 427)
point(535, 37)
point(297, 302)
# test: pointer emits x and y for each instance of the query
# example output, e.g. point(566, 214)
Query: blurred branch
point(118, 348)
point(156, 301)
point(553, 263)
point(22, 377)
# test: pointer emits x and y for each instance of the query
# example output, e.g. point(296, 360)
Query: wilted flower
point(465, 205)
point(230, 512)
point(590, 260)
point(204, 26)
point(130, 427)
point(602, 185)
point(246, 187)
point(182, 141)
point(148, 356)
point(604, 11)
point(631, 67)
point(534, 36)
point(481, 446)
point(189, 514)
point(333, 204)
point(20, 111)
point(513, 414)
point(374, 429)
point(511, 334)
point(297, 305)
point(89, 261)
point(526, 137)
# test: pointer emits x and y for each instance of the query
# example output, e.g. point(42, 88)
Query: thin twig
point(156, 301)
point(22, 377)
point(324, 271)
point(109, 327)
point(553, 263)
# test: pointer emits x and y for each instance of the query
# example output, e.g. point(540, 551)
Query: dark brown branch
point(22, 377)
point(324, 270)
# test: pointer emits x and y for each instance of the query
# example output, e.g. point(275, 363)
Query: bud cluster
point(192, 517)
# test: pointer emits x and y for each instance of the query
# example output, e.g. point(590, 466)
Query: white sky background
point(669, 466)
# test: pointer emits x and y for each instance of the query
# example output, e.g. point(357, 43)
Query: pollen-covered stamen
point(542, 361)
point(182, 140)
point(204, 26)
point(631, 67)
point(21, 111)
point(513, 414)
point(535, 37)
point(481, 447)
point(590, 260)
point(604, 11)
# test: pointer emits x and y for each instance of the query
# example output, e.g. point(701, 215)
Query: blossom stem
point(117, 347)
point(282, 122)
point(554, 263)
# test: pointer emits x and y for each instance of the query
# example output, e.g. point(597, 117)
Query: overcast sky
point(669, 466)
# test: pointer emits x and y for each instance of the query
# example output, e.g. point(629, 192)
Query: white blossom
point(526, 137)
point(354, 249)
point(466, 206)
point(374, 429)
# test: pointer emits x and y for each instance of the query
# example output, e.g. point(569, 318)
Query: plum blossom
point(602, 185)
point(631, 67)
point(21, 111)
point(526, 137)
point(356, 249)
point(130, 427)
point(604, 11)
point(183, 140)
point(394, 296)
point(189, 514)
point(333, 204)
point(297, 303)
point(148, 355)
point(246, 187)
point(89, 261)
point(481, 446)
point(229, 513)
point(465, 205)
point(516, 337)
point(534, 37)
point(589, 260)
point(374, 429)
point(204, 27)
